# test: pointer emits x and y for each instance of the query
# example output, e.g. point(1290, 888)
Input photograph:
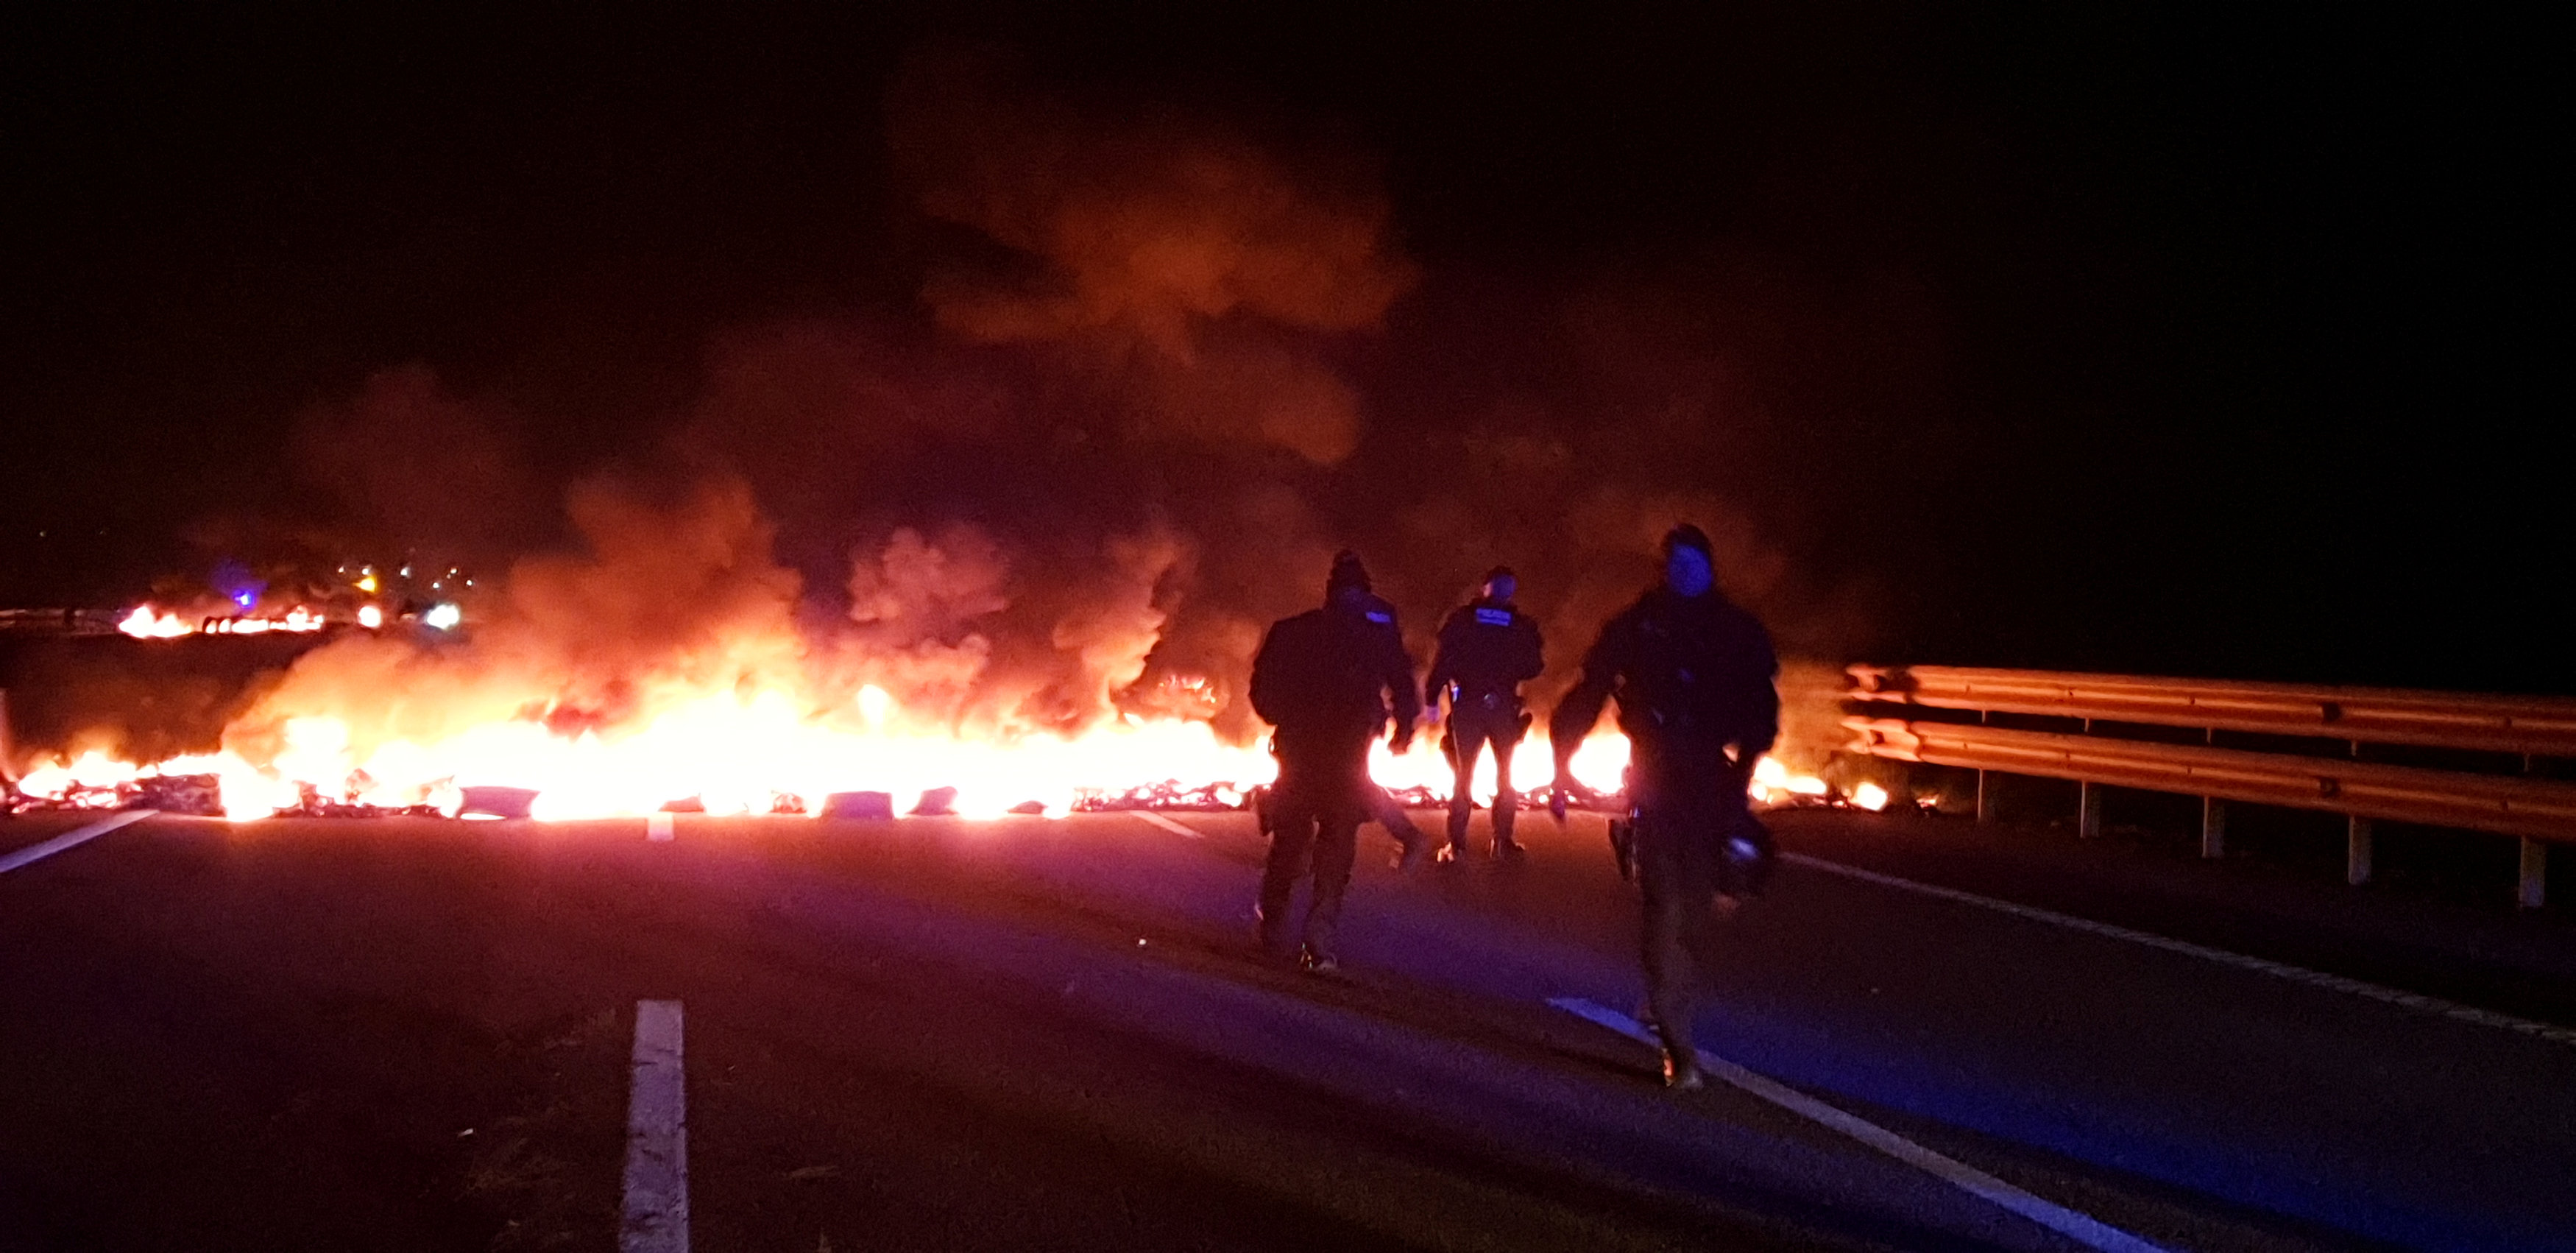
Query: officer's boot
point(1681, 1069)
point(1462, 808)
point(1507, 812)
point(1323, 953)
point(1416, 847)
point(1277, 905)
point(1671, 1025)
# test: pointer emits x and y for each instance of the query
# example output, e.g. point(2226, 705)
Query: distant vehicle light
point(445, 617)
point(370, 617)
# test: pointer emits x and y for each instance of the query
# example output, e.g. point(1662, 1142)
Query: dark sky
point(2146, 338)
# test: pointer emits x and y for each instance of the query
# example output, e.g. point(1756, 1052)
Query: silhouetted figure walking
point(1487, 649)
point(1693, 675)
point(1322, 678)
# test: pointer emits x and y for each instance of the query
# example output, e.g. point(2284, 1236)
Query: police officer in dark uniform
point(1488, 648)
point(1322, 678)
point(1693, 675)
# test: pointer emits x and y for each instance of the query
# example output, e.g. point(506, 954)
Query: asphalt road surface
point(938, 1034)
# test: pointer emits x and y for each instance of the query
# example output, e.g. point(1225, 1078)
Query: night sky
point(2195, 341)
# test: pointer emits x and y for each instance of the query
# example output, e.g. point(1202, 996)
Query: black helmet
point(1688, 536)
point(1347, 572)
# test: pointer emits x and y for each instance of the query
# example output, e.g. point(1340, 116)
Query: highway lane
point(938, 1034)
point(2112, 1065)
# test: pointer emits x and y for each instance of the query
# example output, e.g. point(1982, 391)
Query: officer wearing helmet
point(1323, 679)
point(1487, 649)
point(1694, 678)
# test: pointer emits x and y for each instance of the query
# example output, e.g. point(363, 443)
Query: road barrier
point(2536, 810)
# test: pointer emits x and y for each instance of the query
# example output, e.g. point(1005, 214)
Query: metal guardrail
point(57, 622)
point(2538, 811)
point(2528, 725)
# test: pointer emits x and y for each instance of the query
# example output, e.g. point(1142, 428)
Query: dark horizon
point(2168, 342)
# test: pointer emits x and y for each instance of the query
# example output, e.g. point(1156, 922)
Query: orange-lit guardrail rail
point(2527, 725)
point(2535, 810)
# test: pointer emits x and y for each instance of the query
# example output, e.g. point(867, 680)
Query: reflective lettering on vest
point(1494, 617)
point(1375, 616)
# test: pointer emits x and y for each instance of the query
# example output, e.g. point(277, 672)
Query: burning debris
point(311, 770)
point(1170, 794)
point(147, 623)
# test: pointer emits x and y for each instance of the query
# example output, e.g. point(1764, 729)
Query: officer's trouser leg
point(1674, 876)
point(1507, 802)
point(1292, 841)
point(1466, 739)
point(1389, 813)
point(1336, 846)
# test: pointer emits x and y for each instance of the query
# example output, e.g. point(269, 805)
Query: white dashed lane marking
point(1176, 828)
point(72, 839)
point(2278, 970)
point(2091, 1232)
point(656, 1213)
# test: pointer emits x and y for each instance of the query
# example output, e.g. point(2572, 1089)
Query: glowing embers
point(93, 780)
point(1774, 785)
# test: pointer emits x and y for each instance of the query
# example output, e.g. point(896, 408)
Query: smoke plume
point(1163, 365)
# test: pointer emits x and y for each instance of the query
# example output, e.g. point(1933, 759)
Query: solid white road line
point(1176, 828)
point(657, 826)
point(656, 1215)
point(72, 839)
point(2278, 970)
point(2066, 1222)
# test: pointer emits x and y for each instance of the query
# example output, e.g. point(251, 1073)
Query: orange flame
point(143, 624)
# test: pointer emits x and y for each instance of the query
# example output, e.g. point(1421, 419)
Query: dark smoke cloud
point(1166, 256)
point(1167, 370)
point(659, 595)
point(1170, 370)
point(416, 468)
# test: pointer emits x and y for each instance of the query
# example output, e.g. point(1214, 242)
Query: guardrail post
point(2356, 851)
point(2535, 863)
point(2213, 813)
point(2088, 802)
point(1985, 797)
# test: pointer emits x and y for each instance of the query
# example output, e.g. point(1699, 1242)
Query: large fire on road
point(763, 754)
point(773, 752)
point(674, 665)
